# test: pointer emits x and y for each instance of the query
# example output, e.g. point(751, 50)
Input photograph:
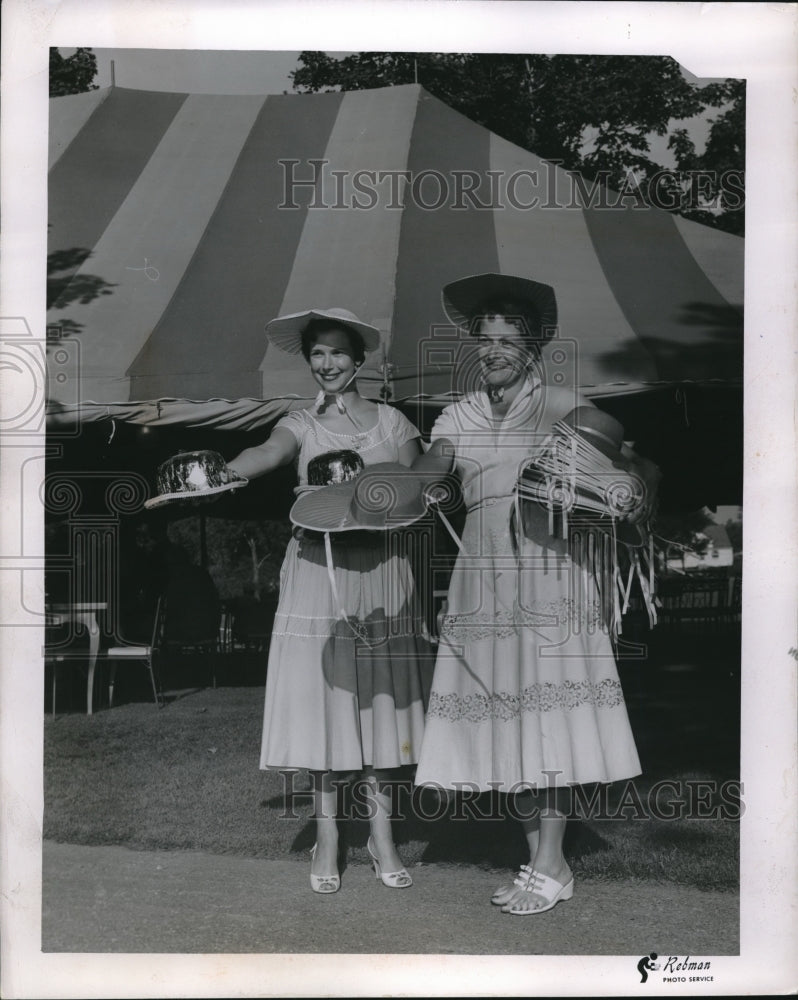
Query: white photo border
point(751, 41)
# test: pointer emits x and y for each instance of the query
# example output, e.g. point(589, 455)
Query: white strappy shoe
point(537, 884)
point(505, 892)
point(394, 880)
point(323, 883)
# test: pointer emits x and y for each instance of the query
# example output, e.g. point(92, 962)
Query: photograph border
point(755, 42)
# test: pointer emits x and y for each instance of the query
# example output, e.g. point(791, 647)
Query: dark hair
point(522, 315)
point(316, 327)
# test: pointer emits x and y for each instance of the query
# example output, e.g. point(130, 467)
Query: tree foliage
point(72, 74)
point(724, 154)
point(683, 530)
point(243, 556)
point(591, 114)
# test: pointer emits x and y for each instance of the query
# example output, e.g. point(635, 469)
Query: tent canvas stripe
point(192, 253)
point(553, 245)
point(717, 254)
point(67, 117)
point(241, 264)
point(345, 255)
point(94, 176)
point(666, 297)
point(146, 249)
point(438, 244)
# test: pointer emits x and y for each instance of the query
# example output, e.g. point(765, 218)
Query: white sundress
point(525, 691)
point(334, 701)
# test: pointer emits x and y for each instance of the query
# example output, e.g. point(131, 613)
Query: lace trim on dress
point(501, 623)
point(538, 697)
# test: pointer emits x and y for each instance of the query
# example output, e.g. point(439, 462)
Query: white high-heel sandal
point(394, 880)
point(323, 883)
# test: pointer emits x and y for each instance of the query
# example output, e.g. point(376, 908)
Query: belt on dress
point(489, 501)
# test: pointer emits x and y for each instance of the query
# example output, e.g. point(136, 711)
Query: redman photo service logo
point(675, 969)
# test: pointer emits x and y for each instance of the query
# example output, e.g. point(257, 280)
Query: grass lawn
point(186, 777)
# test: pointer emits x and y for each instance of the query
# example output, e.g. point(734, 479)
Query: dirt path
point(111, 899)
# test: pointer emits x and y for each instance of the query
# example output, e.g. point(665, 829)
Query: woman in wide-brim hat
point(349, 664)
point(525, 694)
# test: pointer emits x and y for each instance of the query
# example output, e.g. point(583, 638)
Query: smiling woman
point(349, 659)
point(526, 699)
point(334, 354)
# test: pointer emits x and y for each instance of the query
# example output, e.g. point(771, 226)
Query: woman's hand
point(231, 476)
point(437, 461)
point(647, 473)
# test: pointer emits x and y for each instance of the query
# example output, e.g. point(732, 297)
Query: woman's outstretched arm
point(280, 448)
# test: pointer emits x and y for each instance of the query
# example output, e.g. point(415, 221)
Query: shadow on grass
point(187, 777)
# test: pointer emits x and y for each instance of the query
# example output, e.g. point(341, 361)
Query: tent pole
point(203, 541)
point(386, 370)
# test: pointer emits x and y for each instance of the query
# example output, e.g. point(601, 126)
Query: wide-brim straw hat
point(608, 473)
point(285, 332)
point(603, 431)
point(384, 496)
point(462, 299)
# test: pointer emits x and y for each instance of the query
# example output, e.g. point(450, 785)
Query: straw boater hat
point(285, 332)
point(603, 431)
point(193, 476)
point(383, 496)
point(589, 468)
point(463, 298)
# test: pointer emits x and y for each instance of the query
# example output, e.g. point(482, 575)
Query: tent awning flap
point(217, 414)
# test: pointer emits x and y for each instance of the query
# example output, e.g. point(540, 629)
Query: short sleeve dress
point(343, 694)
point(526, 690)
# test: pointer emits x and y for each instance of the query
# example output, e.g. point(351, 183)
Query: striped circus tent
point(179, 224)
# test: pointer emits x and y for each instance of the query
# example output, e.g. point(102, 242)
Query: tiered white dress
point(343, 694)
point(526, 690)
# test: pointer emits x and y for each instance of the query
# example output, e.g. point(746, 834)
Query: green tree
point(591, 114)
point(682, 530)
point(73, 74)
point(722, 160)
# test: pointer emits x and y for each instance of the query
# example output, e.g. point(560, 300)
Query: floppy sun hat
point(376, 497)
point(285, 332)
point(462, 298)
point(193, 476)
point(383, 496)
point(583, 480)
point(584, 472)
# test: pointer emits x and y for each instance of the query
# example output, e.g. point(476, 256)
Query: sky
point(260, 72)
point(197, 71)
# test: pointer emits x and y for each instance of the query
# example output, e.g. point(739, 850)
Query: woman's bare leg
point(378, 783)
point(529, 818)
point(325, 808)
point(549, 858)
